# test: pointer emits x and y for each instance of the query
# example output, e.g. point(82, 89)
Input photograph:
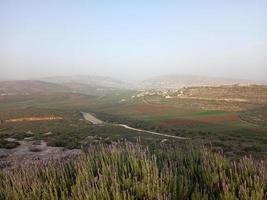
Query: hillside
point(250, 93)
point(179, 81)
point(93, 81)
point(33, 87)
point(26, 87)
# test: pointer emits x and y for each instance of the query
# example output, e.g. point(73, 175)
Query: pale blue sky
point(133, 39)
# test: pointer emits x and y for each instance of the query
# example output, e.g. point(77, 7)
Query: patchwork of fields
point(237, 127)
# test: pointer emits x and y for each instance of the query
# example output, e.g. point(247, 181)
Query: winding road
point(96, 121)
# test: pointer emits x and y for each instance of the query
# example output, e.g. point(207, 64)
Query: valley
point(133, 100)
point(228, 117)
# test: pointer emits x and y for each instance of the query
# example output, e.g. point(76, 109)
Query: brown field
point(202, 120)
point(23, 119)
point(153, 108)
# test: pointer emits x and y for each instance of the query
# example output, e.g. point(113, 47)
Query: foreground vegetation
point(130, 171)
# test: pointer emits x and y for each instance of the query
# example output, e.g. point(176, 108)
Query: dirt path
point(152, 132)
point(94, 120)
point(91, 118)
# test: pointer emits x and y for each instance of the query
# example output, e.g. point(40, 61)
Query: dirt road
point(94, 120)
point(89, 117)
point(152, 132)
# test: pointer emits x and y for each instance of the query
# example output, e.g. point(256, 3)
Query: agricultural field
point(237, 127)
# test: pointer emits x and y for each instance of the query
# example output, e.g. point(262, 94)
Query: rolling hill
point(92, 81)
point(249, 93)
point(25, 87)
point(179, 81)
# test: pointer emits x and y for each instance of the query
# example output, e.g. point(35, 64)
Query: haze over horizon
point(133, 40)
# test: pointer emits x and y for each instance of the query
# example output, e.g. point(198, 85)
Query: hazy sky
point(133, 39)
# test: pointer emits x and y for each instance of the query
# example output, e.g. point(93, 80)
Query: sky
point(133, 39)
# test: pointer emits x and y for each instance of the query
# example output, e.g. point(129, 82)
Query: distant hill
point(179, 81)
point(249, 93)
point(94, 90)
point(93, 81)
point(101, 85)
point(29, 87)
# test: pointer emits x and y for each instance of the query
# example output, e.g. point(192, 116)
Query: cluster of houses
point(167, 94)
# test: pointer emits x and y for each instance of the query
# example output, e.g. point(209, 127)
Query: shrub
point(8, 144)
point(130, 171)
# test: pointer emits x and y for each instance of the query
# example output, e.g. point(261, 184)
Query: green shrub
point(8, 144)
point(130, 171)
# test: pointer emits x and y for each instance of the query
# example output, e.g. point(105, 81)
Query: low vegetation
point(130, 171)
point(8, 144)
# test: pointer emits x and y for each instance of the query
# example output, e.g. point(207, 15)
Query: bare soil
point(30, 152)
point(48, 118)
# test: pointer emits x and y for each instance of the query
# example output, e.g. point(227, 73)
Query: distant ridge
point(97, 84)
point(29, 87)
point(179, 81)
point(100, 81)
